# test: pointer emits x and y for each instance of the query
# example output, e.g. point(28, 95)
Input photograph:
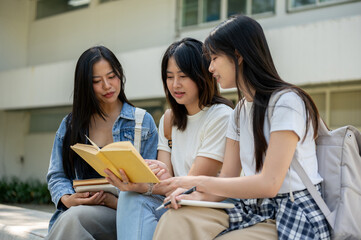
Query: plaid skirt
point(301, 219)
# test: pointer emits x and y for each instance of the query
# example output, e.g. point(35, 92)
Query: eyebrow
point(105, 74)
point(172, 72)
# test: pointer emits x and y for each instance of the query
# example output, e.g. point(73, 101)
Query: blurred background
point(316, 44)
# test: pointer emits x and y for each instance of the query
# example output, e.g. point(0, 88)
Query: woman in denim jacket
point(102, 112)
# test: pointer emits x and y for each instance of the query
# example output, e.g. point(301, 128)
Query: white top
point(289, 114)
point(204, 136)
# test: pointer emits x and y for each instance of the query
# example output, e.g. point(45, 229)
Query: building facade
point(316, 44)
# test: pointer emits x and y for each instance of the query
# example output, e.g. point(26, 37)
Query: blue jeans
point(136, 215)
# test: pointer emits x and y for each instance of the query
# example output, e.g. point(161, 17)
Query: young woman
point(273, 200)
point(101, 111)
point(199, 123)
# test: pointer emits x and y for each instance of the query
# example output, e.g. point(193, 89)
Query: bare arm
point(266, 184)
point(279, 155)
point(231, 168)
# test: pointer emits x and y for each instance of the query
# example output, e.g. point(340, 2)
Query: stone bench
point(18, 223)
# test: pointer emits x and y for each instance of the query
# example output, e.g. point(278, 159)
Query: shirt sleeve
point(214, 140)
point(58, 183)
point(162, 140)
point(289, 114)
point(232, 132)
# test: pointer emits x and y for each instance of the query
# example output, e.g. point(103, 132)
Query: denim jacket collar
point(127, 112)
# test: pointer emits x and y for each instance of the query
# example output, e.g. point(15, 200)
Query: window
point(294, 5)
point(338, 105)
point(196, 12)
point(104, 1)
point(47, 120)
point(47, 8)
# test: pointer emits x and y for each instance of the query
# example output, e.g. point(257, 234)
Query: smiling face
point(183, 89)
point(223, 70)
point(106, 83)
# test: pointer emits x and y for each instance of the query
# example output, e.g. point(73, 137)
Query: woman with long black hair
point(102, 112)
point(198, 124)
point(274, 203)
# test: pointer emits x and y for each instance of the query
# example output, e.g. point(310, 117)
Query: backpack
point(167, 125)
point(339, 164)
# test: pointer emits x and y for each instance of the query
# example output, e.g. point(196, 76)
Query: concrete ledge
point(18, 223)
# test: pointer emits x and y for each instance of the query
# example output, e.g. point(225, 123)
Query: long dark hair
point(85, 105)
point(191, 61)
point(243, 36)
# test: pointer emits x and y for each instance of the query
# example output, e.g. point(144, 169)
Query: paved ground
point(23, 223)
point(50, 208)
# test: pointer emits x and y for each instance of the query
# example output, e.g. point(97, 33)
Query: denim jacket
point(123, 130)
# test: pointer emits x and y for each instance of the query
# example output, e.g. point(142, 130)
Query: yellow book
point(117, 155)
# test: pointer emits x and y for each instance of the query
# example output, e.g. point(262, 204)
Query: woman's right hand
point(177, 195)
point(85, 198)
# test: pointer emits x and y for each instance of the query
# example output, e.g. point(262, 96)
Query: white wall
point(14, 126)
point(14, 22)
point(37, 156)
point(120, 25)
point(325, 51)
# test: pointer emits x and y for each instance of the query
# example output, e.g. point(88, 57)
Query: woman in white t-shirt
point(199, 123)
point(274, 203)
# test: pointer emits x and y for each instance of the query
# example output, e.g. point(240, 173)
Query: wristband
point(150, 189)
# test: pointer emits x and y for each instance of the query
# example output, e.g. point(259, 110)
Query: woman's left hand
point(124, 184)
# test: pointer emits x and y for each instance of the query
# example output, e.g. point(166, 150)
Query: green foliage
point(16, 191)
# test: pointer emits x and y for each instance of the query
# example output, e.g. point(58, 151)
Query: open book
point(94, 185)
point(117, 155)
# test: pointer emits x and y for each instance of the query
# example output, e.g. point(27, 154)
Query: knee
point(176, 216)
point(76, 214)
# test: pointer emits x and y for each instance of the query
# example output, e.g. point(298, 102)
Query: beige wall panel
point(120, 25)
point(14, 22)
point(16, 125)
point(37, 156)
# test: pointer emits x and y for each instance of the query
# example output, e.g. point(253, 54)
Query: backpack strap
point(139, 115)
point(168, 123)
point(298, 167)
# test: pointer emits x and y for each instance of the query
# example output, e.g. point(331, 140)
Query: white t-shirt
point(204, 136)
point(289, 114)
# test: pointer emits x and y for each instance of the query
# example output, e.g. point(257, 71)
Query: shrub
point(31, 191)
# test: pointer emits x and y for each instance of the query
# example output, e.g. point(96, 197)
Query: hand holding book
point(115, 156)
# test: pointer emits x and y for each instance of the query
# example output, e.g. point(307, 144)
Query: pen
point(189, 191)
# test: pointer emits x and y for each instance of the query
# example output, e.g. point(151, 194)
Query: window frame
point(318, 4)
point(223, 14)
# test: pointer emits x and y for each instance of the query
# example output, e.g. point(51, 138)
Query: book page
point(133, 164)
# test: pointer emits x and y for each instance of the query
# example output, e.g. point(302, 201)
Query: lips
point(216, 77)
point(179, 94)
point(109, 95)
